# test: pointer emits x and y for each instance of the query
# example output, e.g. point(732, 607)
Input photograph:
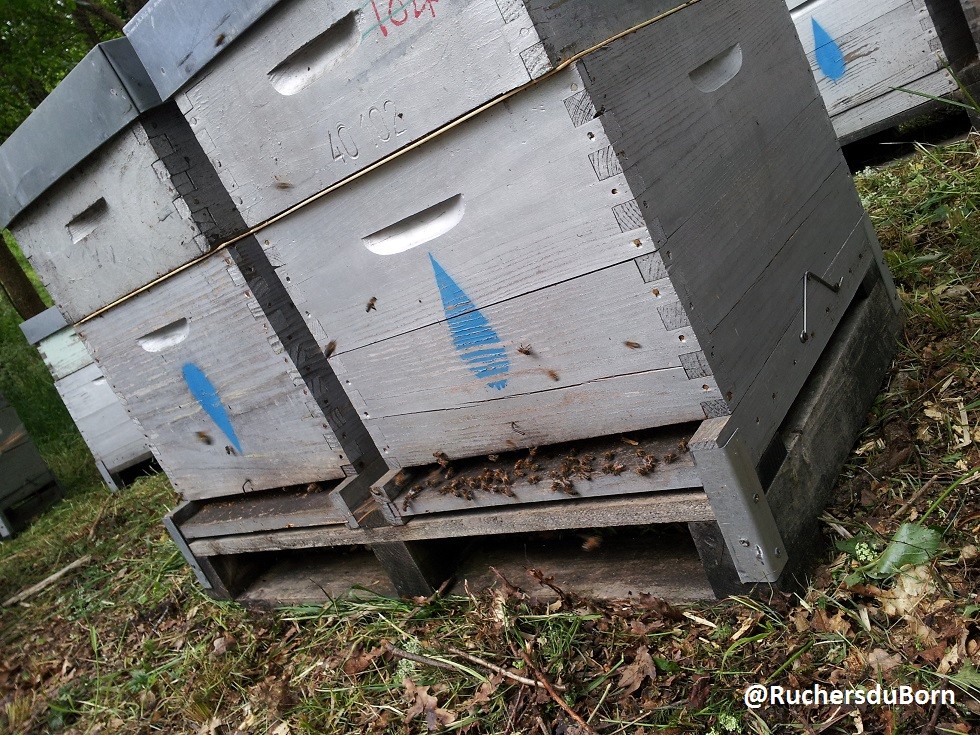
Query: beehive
point(116, 442)
point(27, 486)
point(869, 56)
point(624, 245)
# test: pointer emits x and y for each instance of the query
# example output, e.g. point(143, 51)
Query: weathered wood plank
point(666, 507)
point(64, 353)
point(110, 433)
point(884, 111)
point(199, 367)
point(87, 236)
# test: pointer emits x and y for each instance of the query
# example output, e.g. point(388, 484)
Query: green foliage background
point(42, 40)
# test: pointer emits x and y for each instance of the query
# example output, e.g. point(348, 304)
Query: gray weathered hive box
point(288, 98)
point(86, 192)
point(197, 364)
point(27, 486)
point(115, 440)
point(865, 53)
point(628, 243)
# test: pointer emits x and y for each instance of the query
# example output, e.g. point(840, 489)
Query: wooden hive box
point(27, 486)
point(115, 440)
point(288, 98)
point(865, 53)
point(626, 244)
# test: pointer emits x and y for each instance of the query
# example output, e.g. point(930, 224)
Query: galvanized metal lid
point(48, 322)
point(98, 98)
point(177, 38)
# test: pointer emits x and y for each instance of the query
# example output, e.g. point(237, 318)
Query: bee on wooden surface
point(282, 185)
point(409, 497)
point(493, 457)
point(442, 458)
point(330, 348)
point(564, 485)
point(553, 374)
point(641, 453)
point(525, 349)
point(670, 457)
point(533, 479)
point(591, 542)
point(683, 446)
point(205, 437)
point(532, 452)
point(219, 41)
point(448, 473)
point(632, 345)
point(609, 455)
point(617, 469)
point(371, 304)
point(401, 479)
point(631, 442)
point(643, 470)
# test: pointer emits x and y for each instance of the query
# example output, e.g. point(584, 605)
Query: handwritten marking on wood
point(695, 365)
point(628, 216)
point(830, 58)
point(478, 344)
point(580, 108)
point(716, 408)
point(606, 163)
point(651, 267)
point(674, 317)
point(207, 395)
point(397, 15)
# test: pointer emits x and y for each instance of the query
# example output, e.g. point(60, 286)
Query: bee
point(617, 469)
point(632, 345)
point(563, 485)
point(533, 479)
point(401, 479)
point(510, 443)
point(330, 348)
point(448, 473)
point(643, 470)
point(525, 349)
point(219, 40)
point(205, 437)
point(371, 304)
point(608, 455)
point(493, 457)
point(631, 442)
point(683, 446)
point(591, 542)
point(553, 375)
point(669, 457)
point(532, 452)
point(282, 185)
point(442, 458)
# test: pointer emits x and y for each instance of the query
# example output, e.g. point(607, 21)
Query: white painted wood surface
point(110, 226)
point(881, 45)
point(111, 435)
point(318, 89)
point(531, 218)
point(64, 353)
point(262, 430)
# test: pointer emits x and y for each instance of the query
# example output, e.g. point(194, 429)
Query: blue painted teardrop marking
point(478, 344)
point(830, 59)
point(206, 394)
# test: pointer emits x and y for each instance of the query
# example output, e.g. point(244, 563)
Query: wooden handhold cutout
point(84, 224)
point(418, 228)
point(160, 339)
point(718, 71)
point(317, 57)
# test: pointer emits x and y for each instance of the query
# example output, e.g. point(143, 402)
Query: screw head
point(744, 542)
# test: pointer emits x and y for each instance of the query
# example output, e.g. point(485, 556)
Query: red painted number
point(397, 12)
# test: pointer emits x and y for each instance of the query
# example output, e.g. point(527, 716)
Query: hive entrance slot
point(716, 72)
point(316, 57)
point(418, 228)
point(82, 225)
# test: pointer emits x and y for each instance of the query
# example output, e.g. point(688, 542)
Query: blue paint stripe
point(207, 396)
point(470, 329)
point(830, 58)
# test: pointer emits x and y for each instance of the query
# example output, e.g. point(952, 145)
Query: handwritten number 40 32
point(397, 13)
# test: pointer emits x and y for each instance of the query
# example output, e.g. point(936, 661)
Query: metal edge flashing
point(48, 322)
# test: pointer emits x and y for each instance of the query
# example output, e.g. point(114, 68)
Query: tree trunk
point(18, 286)
point(103, 13)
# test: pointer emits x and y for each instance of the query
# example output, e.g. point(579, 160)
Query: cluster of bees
point(574, 466)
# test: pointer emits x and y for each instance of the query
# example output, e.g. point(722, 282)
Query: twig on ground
point(918, 494)
point(419, 658)
point(586, 728)
point(499, 669)
point(46, 582)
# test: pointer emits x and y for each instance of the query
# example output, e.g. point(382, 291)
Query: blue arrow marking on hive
point(829, 56)
point(206, 394)
point(478, 344)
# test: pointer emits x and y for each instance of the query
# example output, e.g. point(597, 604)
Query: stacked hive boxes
point(875, 59)
point(511, 224)
point(116, 442)
point(194, 359)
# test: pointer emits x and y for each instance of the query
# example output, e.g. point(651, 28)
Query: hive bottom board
point(286, 547)
point(17, 516)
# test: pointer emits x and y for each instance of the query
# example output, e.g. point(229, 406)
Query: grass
point(129, 643)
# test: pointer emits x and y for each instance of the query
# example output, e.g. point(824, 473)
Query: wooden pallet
point(271, 548)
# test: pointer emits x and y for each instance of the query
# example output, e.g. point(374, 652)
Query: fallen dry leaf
point(424, 703)
point(636, 673)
